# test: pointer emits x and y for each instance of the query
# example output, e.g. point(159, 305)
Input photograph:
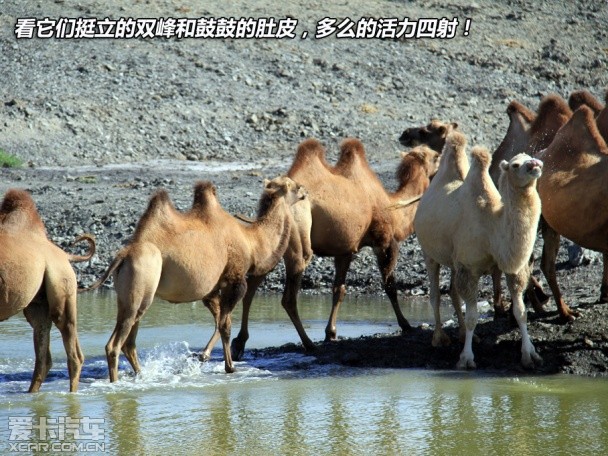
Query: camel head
point(433, 135)
point(283, 186)
point(522, 170)
point(421, 156)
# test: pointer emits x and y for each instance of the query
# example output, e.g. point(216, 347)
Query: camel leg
point(387, 260)
point(293, 282)
point(534, 291)
point(230, 295)
point(516, 284)
point(135, 283)
point(129, 348)
point(342, 263)
point(124, 323)
point(550, 248)
point(37, 315)
point(212, 302)
point(499, 308)
point(440, 338)
point(66, 322)
point(466, 285)
point(604, 287)
point(457, 304)
point(238, 343)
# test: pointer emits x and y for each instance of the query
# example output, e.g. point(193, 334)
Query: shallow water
point(179, 405)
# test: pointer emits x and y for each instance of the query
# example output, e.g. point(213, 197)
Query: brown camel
point(388, 228)
point(339, 231)
point(36, 277)
point(432, 135)
point(553, 113)
point(469, 225)
point(574, 194)
point(529, 133)
point(204, 253)
point(297, 256)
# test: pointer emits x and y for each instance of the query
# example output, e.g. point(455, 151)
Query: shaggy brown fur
point(516, 138)
point(349, 211)
point(387, 228)
point(602, 123)
point(584, 98)
point(204, 253)
point(553, 113)
point(432, 135)
point(472, 227)
point(574, 195)
point(36, 277)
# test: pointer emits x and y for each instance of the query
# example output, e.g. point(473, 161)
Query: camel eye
point(515, 165)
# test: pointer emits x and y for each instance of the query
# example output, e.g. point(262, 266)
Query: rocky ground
point(99, 124)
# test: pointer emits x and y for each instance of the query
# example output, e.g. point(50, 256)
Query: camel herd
point(473, 212)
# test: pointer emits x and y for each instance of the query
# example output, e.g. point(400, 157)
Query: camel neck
point(269, 235)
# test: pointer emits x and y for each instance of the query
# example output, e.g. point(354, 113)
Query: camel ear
point(442, 130)
point(504, 165)
point(266, 183)
point(454, 125)
point(403, 154)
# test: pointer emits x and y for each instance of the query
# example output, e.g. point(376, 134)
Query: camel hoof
point(466, 363)
point(501, 309)
point(330, 338)
point(570, 316)
point(541, 297)
point(405, 326)
point(204, 357)
point(237, 349)
point(229, 369)
point(312, 348)
point(531, 361)
point(441, 339)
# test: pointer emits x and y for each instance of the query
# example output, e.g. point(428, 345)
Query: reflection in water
point(293, 428)
point(123, 423)
point(180, 406)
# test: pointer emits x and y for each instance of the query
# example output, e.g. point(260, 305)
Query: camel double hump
point(36, 277)
point(574, 194)
point(465, 223)
point(348, 207)
point(534, 133)
point(204, 253)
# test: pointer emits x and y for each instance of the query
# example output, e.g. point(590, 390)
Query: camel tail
point(404, 203)
point(108, 272)
point(90, 239)
point(244, 218)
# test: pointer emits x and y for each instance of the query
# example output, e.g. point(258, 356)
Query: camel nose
point(408, 137)
point(534, 163)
